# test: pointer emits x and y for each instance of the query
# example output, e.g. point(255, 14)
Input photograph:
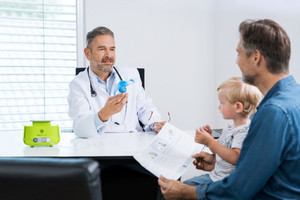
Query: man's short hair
point(270, 39)
point(101, 30)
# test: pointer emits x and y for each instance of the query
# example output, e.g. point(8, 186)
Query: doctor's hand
point(158, 126)
point(112, 106)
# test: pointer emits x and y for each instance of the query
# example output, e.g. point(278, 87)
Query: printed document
point(169, 153)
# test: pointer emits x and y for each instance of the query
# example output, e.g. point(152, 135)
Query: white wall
point(174, 41)
point(230, 13)
point(187, 47)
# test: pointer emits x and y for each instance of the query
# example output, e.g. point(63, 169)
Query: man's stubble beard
point(249, 79)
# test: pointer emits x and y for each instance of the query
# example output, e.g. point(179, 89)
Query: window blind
point(38, 57)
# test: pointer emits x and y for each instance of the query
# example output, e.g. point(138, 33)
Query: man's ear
point(257, 57)
point(239, 107)
point(87, 53)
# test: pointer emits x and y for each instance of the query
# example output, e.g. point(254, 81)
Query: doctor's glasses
point(152, 114)
point(119, 119)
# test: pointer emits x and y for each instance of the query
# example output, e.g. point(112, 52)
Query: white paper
point(169, 153)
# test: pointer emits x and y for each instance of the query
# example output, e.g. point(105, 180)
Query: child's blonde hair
point(238, 91)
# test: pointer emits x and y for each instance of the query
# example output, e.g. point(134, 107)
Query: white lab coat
point(83, 107)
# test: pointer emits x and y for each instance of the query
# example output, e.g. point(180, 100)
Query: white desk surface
point(108, 144)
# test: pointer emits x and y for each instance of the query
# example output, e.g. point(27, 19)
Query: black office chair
point(141, 72)
point(27, 178)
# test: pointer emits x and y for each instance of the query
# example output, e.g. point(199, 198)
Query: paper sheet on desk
point(169, 153)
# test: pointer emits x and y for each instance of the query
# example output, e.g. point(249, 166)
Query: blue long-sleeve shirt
point(269, 163)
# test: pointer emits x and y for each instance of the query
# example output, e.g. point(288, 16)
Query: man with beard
point(94, 105)
point(269, 163)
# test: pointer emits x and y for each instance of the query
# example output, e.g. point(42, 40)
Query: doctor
point(92, 104)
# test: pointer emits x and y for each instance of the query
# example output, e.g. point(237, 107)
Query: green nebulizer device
point(41, 133)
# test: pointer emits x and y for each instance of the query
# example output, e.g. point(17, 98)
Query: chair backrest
point(141, 72)
point(49, 178)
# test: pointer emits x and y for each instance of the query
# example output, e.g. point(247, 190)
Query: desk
point(114, 150)
point(105, 145)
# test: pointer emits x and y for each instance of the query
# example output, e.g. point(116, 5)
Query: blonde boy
point(237, 101)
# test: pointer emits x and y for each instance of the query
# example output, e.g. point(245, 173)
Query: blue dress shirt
point(108, 87)
point(269, 163)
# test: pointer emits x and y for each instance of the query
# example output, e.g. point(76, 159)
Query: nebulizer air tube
point(122, 86)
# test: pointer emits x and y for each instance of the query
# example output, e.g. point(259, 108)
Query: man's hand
point(112, 106)
point(204, 161)
point(176, 190)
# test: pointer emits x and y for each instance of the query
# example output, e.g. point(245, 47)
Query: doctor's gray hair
point(101, 30)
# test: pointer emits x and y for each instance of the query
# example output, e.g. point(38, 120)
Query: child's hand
point(207, 129)
point(203, 137)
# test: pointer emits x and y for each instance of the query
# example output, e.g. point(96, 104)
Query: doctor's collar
point(111, 75)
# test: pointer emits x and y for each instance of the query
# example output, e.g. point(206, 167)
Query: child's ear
point(239, 107)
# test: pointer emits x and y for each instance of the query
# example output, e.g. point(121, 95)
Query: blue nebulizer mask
point(122, 86)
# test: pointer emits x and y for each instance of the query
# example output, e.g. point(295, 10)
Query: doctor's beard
point(106, 68)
